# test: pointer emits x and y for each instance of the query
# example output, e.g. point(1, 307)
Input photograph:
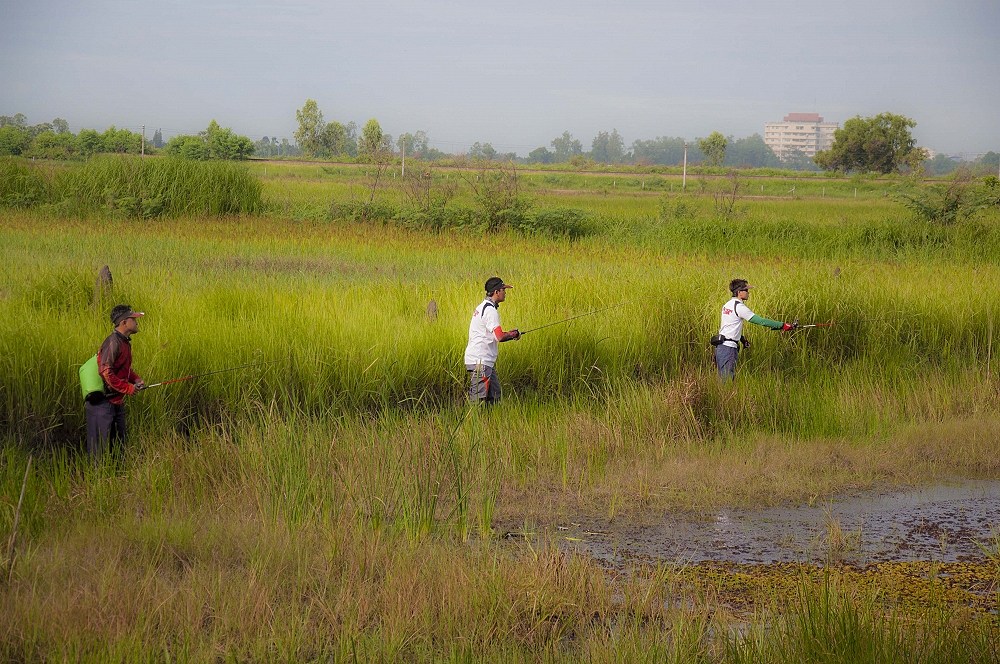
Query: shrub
point(146, 188)
point(21, 185)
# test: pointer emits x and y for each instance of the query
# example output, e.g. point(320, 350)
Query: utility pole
point(142, 148)
point(684, 178)
point(402, 147)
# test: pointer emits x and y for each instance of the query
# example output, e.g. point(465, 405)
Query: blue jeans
point(725, 361)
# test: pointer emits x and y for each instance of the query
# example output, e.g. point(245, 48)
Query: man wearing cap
point(106, 418)
point(485, 335)
point(734, 312)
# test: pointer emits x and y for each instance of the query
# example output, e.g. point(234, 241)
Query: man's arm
point(512, 335)
point(773, 324)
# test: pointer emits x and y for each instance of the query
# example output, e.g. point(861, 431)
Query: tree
point(663, 150)
point(565, 147)
point(608, 148)
point(13, 139)
point(333, 139)
point(17, 120)
point(941, 164)
point(60, 126)
point(309, 133)
point(89, 142)
point(541, 156)
point(751, 151)
point(157, 139)
point(990, 162)
point(372, 141)
point(482, 151)
point(882, 144)
point(52, 145)
point(214, 142)
point(413, 145)
point(714, 148)
point(120, 140)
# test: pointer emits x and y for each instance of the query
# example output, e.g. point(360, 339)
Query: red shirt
point(114, 362)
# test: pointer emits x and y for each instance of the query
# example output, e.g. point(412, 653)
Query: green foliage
point(714, 148)
point(213, 143)
point(565, 147)
point(608, 148)
point(51, 145)
point(751, 152)
point(308, 135)
point(664, 150)
point(13, 140)
point(565, 222)
point(482, 151)
point(21, 185)
point(371, 146)
point(947, 204)
point(882, 144)
point(146, 188)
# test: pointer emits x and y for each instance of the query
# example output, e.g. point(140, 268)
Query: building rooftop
point(803, 117)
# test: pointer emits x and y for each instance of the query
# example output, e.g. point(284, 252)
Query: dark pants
point(484, 386)
point(725, 361)
point(105, 427)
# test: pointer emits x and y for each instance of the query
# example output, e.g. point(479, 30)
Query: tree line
point(881, 144)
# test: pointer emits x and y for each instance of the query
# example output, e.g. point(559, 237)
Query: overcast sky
point(515, 73)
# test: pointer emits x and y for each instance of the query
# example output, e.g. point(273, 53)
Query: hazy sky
point(514, 73)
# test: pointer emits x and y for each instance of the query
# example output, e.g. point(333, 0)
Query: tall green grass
point(343, 502)
point(133, 187)
point(342, 317)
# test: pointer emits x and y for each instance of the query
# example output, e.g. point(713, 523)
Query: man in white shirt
point(485, 335)
point(727, 342)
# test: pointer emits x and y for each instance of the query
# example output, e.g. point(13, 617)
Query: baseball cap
point(120, 313)
point(494, 284)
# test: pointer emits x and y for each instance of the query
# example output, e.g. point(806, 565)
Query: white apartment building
point(805, 132)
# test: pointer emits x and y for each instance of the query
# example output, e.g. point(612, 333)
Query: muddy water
point(940, 523)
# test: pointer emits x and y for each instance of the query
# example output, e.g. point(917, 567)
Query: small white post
point(684, 177)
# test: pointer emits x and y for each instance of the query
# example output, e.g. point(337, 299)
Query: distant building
point(802, 132)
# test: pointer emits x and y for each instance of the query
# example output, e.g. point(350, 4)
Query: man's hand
point(140, 385)
point(512, 335)
point(785, 327)
point(745, 342)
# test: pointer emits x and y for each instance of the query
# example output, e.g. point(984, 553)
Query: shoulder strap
point(489, 303)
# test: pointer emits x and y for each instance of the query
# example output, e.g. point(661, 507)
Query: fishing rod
point(208, 373)
point(798, 326)
point(566, 320)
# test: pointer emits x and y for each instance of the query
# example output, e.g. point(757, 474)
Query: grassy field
point(341, 501)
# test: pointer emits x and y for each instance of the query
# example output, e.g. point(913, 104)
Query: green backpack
point(91, 383)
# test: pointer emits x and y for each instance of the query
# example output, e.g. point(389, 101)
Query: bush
point(959, 199)
point(146, 188)
point(21, 185)
point(557, 222)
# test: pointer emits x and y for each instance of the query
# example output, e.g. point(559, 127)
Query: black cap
point(494, 284)
point(123, 311)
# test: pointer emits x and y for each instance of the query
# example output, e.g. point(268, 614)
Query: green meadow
point(339, 499)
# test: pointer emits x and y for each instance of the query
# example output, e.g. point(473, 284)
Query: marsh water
point(946, 522)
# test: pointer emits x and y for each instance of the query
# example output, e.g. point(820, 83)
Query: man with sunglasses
point(730, 337)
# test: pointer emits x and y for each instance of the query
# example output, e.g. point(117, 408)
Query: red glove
point(785, 327)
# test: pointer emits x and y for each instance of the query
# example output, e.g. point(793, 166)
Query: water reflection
point(942, 522)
